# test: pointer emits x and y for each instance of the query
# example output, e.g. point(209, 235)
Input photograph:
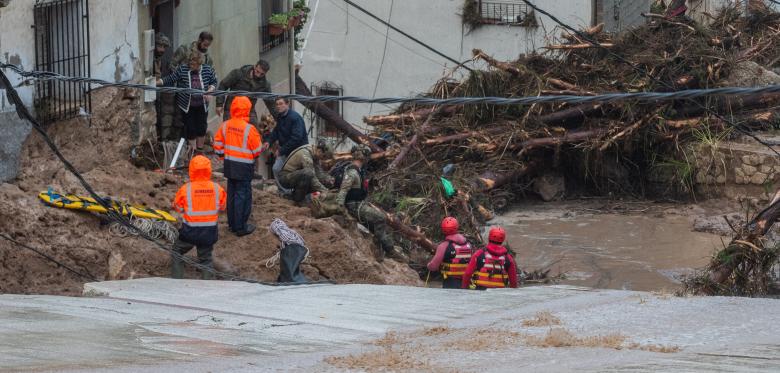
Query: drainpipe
point(594, 13)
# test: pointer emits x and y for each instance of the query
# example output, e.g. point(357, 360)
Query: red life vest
point(456, 259)
point(493, 273)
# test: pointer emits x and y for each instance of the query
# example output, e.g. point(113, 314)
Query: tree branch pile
point(496, 151)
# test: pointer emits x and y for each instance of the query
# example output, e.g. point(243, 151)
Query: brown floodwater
point(633, 251)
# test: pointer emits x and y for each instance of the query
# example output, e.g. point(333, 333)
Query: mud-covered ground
point(339, 251)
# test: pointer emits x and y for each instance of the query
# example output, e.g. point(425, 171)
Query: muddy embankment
point(100, 150)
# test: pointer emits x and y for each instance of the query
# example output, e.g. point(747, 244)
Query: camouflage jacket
point(240, 80)
point(182, 54)
point(351, 180)
point(302, 159)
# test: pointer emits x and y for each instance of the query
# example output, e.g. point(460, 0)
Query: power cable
point(370, 27)
point(49, 258)
point(647, 74)
point(384, 54)
point(527, 100)
point(410, 37)
point(111, 211)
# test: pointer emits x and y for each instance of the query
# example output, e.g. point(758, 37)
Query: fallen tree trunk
point(377, 120)
point(408, 232)
point(578, 46)
point(727, 105)
point(333, 117)
point(724, 265)
point(568, 137)
point(405, 150)
point(505, 66)
point(489, 180)
point(573, 116)
point(464, 136)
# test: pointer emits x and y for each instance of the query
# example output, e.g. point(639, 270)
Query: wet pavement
point(213, 326)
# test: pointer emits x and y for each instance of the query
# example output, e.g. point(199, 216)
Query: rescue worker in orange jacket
point(239, 143)
point(491, 266)
point(199, 202)
point(452, 255)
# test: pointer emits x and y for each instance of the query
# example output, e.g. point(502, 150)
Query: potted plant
point(277, 23)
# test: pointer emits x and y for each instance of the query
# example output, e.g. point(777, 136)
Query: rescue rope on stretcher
point(155, 229)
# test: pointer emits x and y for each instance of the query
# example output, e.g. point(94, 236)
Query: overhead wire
point(400, 44)
point(111, 211)
point(410, 37)
point(526, 100)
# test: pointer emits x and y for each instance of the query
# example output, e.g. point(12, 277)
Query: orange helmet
point(497, 235)
point(449, 226)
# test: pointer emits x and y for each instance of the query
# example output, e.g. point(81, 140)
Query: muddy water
point(634, 251)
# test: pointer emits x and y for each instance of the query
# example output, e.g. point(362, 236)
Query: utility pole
point(291, 50)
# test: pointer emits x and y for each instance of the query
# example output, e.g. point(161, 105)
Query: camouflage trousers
point(299, 181)
point(374, 220)
point(169, 126)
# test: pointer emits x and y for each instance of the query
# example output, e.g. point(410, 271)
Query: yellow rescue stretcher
point(73, 202)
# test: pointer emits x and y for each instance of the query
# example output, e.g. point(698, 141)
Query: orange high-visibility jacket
point(236, 139)
point(200, 200)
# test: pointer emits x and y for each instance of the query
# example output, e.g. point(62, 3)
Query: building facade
point(350, 53)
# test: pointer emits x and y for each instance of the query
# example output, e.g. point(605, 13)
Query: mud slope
point(338, 250)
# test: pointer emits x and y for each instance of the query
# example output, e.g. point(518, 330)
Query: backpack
point(338, 170)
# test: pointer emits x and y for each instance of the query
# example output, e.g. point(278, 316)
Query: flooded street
point(638, 250)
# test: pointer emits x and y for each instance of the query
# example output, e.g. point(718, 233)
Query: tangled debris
point(499, 154)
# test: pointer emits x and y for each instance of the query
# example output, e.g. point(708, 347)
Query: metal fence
point(495, 12)
point(61, 46)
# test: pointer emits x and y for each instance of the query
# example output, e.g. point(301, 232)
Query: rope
point(527, 100)
point(112, 213)
point(49, 258)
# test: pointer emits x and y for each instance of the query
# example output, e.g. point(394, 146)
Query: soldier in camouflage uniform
point(247, 78)
point(352, 197)
point(302, 172)
point(182, 54)
point(165, 103)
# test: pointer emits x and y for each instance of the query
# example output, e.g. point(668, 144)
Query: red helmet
point(497, 235)
point(449, 226)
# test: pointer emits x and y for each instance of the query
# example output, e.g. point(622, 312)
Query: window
point(506, 12)
point(267, 40)
point(325, 129)
point(61, 46)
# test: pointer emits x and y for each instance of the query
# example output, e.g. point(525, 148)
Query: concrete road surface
point(165, 325)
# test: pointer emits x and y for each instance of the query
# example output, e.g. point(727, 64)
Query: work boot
point(177, 268)
point(248, 230)
point(398, 254)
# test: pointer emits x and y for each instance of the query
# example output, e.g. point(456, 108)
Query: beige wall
point(235, 27)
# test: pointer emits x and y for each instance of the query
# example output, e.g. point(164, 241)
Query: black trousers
point(452, 283)
point(204, 251)
point(239, 203)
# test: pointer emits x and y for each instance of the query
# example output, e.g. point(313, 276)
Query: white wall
point(114, 50)
point(346, 46)
point(16, 46)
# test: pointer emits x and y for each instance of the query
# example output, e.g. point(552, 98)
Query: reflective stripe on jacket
point(456, 259)
point(493, 273)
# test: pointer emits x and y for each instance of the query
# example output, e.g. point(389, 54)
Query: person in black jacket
point(289, 133)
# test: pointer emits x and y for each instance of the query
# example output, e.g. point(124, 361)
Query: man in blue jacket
point(290, 133)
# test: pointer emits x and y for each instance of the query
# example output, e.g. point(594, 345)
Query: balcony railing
point(268, 41)
point(502, 13)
